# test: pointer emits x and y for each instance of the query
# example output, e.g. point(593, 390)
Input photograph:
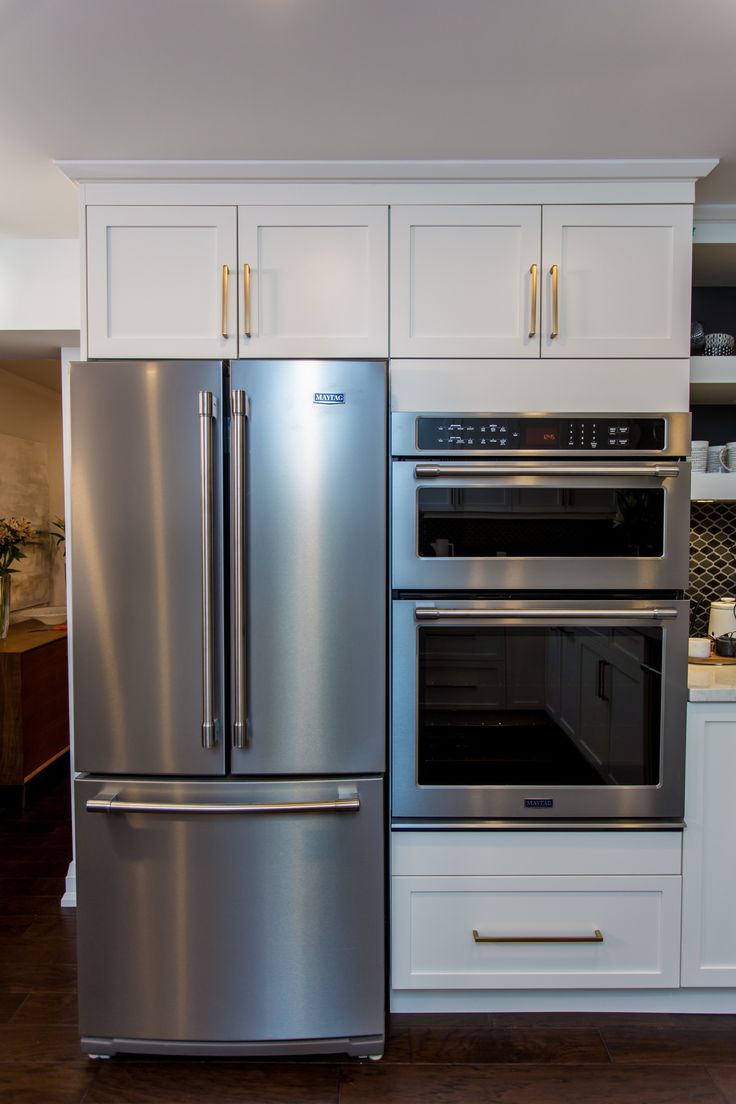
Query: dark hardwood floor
point(449, 1059)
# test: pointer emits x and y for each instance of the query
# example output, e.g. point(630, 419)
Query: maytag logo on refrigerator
point(329, 398)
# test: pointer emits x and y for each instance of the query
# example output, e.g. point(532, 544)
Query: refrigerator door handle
point(112, 804)
point(206, 418)
point(240, 704)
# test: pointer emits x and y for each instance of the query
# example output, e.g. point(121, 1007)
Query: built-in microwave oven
point(540, 502)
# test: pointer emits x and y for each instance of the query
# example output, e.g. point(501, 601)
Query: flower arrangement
point(57, 532)
point(14, 533)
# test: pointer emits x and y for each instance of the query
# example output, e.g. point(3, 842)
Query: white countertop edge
point(711, 694)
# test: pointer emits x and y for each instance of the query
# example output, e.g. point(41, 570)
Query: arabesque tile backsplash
point(712, 559)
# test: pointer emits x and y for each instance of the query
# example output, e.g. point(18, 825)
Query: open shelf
point(713, 379)
point(715, 486)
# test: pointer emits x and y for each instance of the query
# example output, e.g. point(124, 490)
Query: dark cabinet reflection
point(539, 706)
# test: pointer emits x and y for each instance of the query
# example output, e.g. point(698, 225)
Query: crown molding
point(673, 169)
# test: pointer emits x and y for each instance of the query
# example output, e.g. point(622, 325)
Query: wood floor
point(479, 1059)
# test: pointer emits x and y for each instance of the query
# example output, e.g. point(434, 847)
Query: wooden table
point(34, 701)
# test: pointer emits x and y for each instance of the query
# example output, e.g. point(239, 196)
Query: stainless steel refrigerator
point(229, 669)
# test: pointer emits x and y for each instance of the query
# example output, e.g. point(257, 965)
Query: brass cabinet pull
point(596, 937)
point(554, 332)
point(225, 274)
point(533, 316)
point(246, 298)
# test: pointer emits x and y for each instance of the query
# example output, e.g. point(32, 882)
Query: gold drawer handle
point(596, 937)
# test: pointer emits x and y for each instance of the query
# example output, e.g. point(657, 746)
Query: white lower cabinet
point(543, 928)
point(709, 848)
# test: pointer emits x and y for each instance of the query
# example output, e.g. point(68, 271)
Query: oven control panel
point(496, 433)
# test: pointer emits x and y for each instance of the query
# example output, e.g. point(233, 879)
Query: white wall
point(34, 412)
point(39, 284)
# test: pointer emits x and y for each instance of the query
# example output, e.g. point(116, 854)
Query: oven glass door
point(553, 709)
point(540, 526)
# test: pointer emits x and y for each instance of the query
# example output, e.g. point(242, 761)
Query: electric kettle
point(722, 617)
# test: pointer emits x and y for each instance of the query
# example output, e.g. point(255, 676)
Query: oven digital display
point(541, 436)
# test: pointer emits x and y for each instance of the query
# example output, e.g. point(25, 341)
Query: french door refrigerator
point(229, 670)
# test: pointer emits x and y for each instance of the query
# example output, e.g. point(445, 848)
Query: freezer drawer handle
point(596, 937)
point(113, 805)
point(206, 418)
point(434, 471)
point(431, 613)
point(240, 704)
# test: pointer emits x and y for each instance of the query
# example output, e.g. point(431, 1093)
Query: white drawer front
point(434, 919)
point(536, 853)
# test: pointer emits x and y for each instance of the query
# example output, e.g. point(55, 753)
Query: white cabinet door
point(461, 281)
point(623, 280)
point(709, 856)
point(313, 281)
point(157, 280)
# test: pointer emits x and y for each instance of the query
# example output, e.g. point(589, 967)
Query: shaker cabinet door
point(161, 282)
point(313, 281)
point(708, 859)
point(622, 282)
point(462, 283)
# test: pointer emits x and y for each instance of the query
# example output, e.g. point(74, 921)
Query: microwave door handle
point(435, 471)
point(530, 613)
point(206, 419)
point(240, 702)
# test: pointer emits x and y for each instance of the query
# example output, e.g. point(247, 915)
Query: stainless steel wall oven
point(539, 626)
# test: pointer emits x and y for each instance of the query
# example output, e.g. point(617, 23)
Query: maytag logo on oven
point(329, 398)
point(538, 803)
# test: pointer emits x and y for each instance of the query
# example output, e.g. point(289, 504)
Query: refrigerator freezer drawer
point(217, 916)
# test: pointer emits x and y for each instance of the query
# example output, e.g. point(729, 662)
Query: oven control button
point(612, 441)
point(623, 429)
point(594, 444)
point(623, 441)
point(503, 442)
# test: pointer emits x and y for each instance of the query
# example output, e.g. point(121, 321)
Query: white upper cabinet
point(249, 281)
point(313, 281)
point(462, 283)
point(161, 281)
point(609, 281)
point(623, 280)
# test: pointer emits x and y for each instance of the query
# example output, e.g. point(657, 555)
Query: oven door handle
point(435, 471)
point(655, 613)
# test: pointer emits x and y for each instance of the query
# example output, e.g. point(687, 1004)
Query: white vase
point(4, 605)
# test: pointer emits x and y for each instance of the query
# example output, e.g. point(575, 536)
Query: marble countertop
point(711, 683)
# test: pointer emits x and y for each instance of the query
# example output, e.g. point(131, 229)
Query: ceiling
point(363, 79)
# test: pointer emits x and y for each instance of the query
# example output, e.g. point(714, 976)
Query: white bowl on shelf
point(47, 615)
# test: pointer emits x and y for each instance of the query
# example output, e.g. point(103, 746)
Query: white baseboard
point(69, 900)
point(560, 1000)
